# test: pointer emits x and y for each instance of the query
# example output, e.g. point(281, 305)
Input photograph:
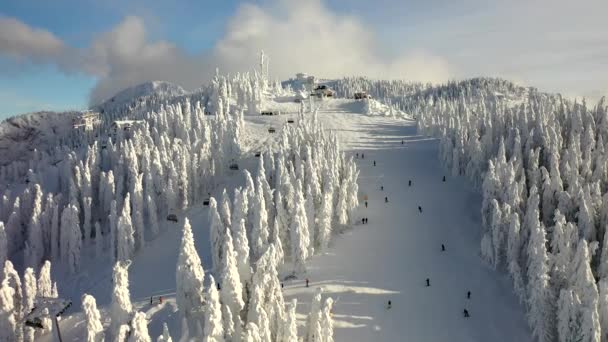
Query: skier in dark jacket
point(468, 294)
point(428, 282)
point(444, 178)
point(409, 183)
point(374, 163)
point(419, 208)
point(442, 247)
point(466, 313)
point(366, 204)
point(381, 188)
point(389, 305)
point(385, 199)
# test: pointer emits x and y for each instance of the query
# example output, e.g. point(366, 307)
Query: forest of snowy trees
point(103, 196)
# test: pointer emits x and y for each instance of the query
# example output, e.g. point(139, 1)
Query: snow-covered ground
point(387, 259)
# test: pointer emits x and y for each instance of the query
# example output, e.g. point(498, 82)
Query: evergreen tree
point(214, 329)
point(3, 246)
point(94, 329)
point(71, 238)
point(45, 286)
point(232, 289)
point(313, 321)
point(216, 229)
point(165, 337)
point(290, 329)
point(189, 282)
point(539, 292)
point(125, 242)
point(121, 310)
point(139, 328)
point(327, 324)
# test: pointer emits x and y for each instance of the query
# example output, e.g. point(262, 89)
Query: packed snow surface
point(387, 259)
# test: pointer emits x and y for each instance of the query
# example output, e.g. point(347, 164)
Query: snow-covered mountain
point(130, 96)
point(21, 135)
point(275, 208)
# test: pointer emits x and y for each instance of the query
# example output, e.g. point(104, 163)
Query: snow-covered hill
point(131, 94)
point(21, 135)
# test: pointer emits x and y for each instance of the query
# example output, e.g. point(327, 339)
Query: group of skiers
point(160, 300)
point(428, 280)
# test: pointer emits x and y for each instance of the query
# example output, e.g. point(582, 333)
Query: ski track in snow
point(387, 259)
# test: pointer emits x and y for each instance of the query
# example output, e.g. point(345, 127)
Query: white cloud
point(19, 40)
point(298, 36)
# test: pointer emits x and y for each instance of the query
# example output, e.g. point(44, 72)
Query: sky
point(69, 54)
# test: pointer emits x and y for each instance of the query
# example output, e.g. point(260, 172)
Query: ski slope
point(387, 259)
point(390, 257)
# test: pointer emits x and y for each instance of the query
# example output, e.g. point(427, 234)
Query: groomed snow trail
point(390, 257)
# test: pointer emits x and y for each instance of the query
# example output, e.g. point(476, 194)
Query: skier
point(385, 199)
point(442, 247)
point(219, 288)
point(381, 188)
point(363, 220)
point(282, 285)
point(401, 141)
point(389, 305)
point(357, 155)
point(468, 294)
point(374, 163)
point(306, 282)
point(409, 183)
point(428, 282)
point(419, 208)
point(466, 313)
point(150, 300)
point(444, 178)
point(160, 299)
point(362, 156)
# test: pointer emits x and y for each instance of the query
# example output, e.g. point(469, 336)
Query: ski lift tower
point(55, 308)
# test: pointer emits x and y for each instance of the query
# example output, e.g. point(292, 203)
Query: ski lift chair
point(172, 217)
point(258, 154)
point(234, 166)
point(271, 130)
point(290, 121)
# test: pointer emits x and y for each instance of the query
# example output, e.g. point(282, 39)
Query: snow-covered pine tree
point(241, 247)
point(216, 232)
point(8, 318)
point(71, 237)
point(541, 312)
point(290, 327)
point(121, 310)
point(94, 329)
point(165, 337)
point(214, 329)
point(125, 242)
point(3, 246)
point(299, 235)
point(232, 289)
point(327, 324)
point(139, 328)
point(189, 277)
point(313, 321)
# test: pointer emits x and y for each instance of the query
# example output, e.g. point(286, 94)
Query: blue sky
point(66, 54)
